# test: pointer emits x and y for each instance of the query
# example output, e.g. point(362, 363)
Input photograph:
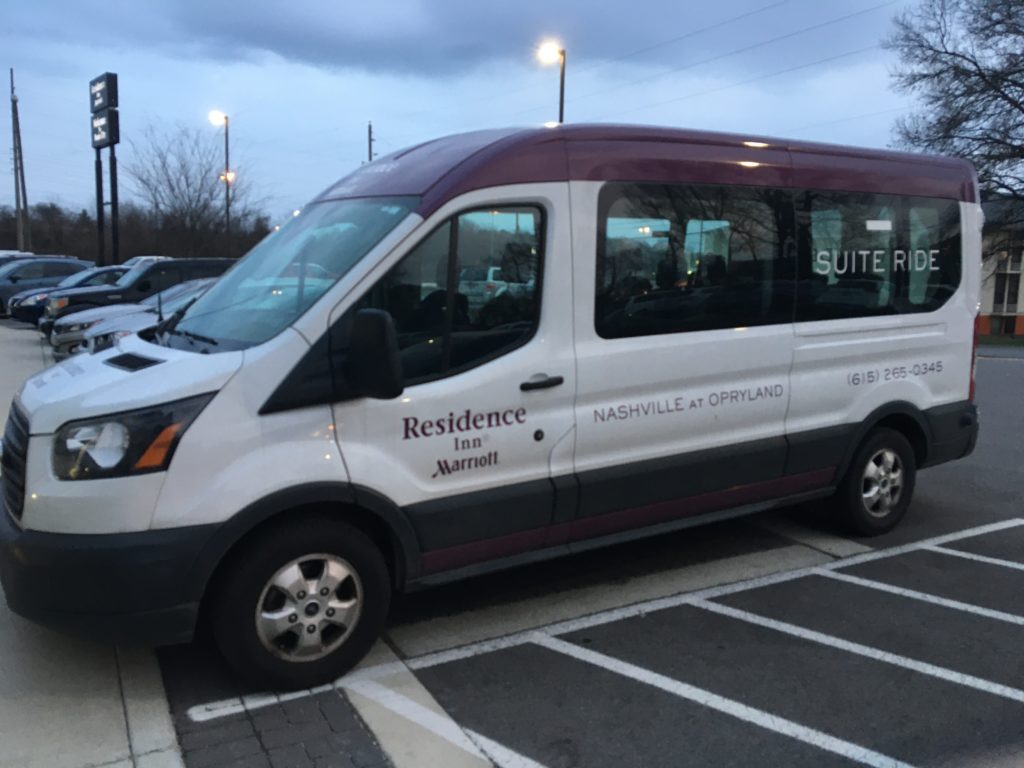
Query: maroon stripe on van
point(462, 555)
point(440, 170)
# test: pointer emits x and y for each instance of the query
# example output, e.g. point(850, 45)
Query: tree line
point(175, 206)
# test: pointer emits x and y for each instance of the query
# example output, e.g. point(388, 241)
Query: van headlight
point(130, 443)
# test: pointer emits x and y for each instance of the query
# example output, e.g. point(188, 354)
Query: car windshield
point(80, 278)
point(129, 277)
point(288, 271)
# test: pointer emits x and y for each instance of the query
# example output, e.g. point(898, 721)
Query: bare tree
point(177, 176)
point(964, 61)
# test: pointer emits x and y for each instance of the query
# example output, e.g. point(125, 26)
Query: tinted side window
point(672, 259)
point(60, 269)
point(467, 293)
point(160, 278)
point(866, 254)
point(31, 271)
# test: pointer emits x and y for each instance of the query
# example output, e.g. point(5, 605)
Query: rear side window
point(61, 268)
point(866, 254)
point(672, 259)
point(466, 294)
point(160, 278)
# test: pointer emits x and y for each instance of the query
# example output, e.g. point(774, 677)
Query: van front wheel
point(879, 483)
point(300, 606)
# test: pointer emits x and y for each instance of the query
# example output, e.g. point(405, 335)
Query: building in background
point(1002, 311)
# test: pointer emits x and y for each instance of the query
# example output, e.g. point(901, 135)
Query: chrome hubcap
point(882, 484)
point(309, 607)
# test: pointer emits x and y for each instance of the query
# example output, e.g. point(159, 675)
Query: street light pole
point(227, 192)
point(561, 88)
point(219, 118)
point(552, 52)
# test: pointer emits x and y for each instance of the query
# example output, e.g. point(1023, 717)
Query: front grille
point(13, 462)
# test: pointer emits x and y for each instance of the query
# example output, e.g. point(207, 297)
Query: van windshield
point(279, 279)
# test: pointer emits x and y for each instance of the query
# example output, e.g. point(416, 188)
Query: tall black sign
point(106, 128)
point(106, 132)
point(103, 92)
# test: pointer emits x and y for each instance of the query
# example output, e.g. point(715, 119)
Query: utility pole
point(369, 142)
point(20, 193)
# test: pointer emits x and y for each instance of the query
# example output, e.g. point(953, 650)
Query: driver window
point(466, 294)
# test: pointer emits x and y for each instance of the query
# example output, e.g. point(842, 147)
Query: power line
point(848, 119)
point(734, 52)
point(739, 83)
point(605, 62)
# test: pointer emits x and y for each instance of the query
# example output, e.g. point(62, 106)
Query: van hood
point(84, 386)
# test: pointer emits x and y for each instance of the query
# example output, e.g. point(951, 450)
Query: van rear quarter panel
point(832, 359)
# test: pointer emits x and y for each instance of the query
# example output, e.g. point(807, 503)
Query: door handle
point(545, 383)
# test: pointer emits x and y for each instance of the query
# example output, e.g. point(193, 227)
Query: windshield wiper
point(196, 336)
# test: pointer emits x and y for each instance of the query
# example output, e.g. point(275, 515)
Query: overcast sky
point(300, 80)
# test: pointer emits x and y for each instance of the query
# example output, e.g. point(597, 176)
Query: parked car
point(6, 256)
point(105, 333)
point(28, 306)
point(37, 272)
point(69, 331)
point(144, 279)
point(45, 322)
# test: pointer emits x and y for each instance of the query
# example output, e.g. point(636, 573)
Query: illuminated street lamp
point(218, 118)
point(552, 52)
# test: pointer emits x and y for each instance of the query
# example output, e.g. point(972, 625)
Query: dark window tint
point(466, 294)
point(61, 268)
point(197, 271)
point(692, 258)
point(159, 278)
point(865, 254)
point(34, 270)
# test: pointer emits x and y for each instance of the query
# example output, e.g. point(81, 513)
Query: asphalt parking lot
point(765, 641)
point(771, 640)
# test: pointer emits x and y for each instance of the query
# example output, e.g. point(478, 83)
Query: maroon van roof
point(441, 169)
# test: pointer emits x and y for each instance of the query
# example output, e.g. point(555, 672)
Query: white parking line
point(415, 712)
point(942, 673)
point(213, 710)
point(721, 704)
point(1009, 618)
point(977, 558)
point(501, 755)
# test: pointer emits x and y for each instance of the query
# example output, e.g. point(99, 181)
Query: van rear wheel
point(300, 606)
point(879, 484)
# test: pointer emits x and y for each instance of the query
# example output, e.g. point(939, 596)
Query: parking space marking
point(722, 704)
point(913, 594)
point(932, 670)
point(415, 712)
point(501, 755)
point(977, 558)
point(212, 710)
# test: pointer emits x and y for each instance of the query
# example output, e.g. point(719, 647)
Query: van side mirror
point(373, 367)
point(144, 286)
point(13, 278)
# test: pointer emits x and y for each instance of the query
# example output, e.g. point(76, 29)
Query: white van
point(706, 325)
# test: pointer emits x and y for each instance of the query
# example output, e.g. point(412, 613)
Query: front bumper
point(126, 587)
point(66, 344)
point(27, 314)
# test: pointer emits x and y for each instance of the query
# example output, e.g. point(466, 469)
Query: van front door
point(469, 448)
point(684, 340)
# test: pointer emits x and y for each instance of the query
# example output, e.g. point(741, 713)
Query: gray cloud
point(420, 37)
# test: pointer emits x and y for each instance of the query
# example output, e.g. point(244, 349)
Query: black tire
point(873, 501)
point(244, 588)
